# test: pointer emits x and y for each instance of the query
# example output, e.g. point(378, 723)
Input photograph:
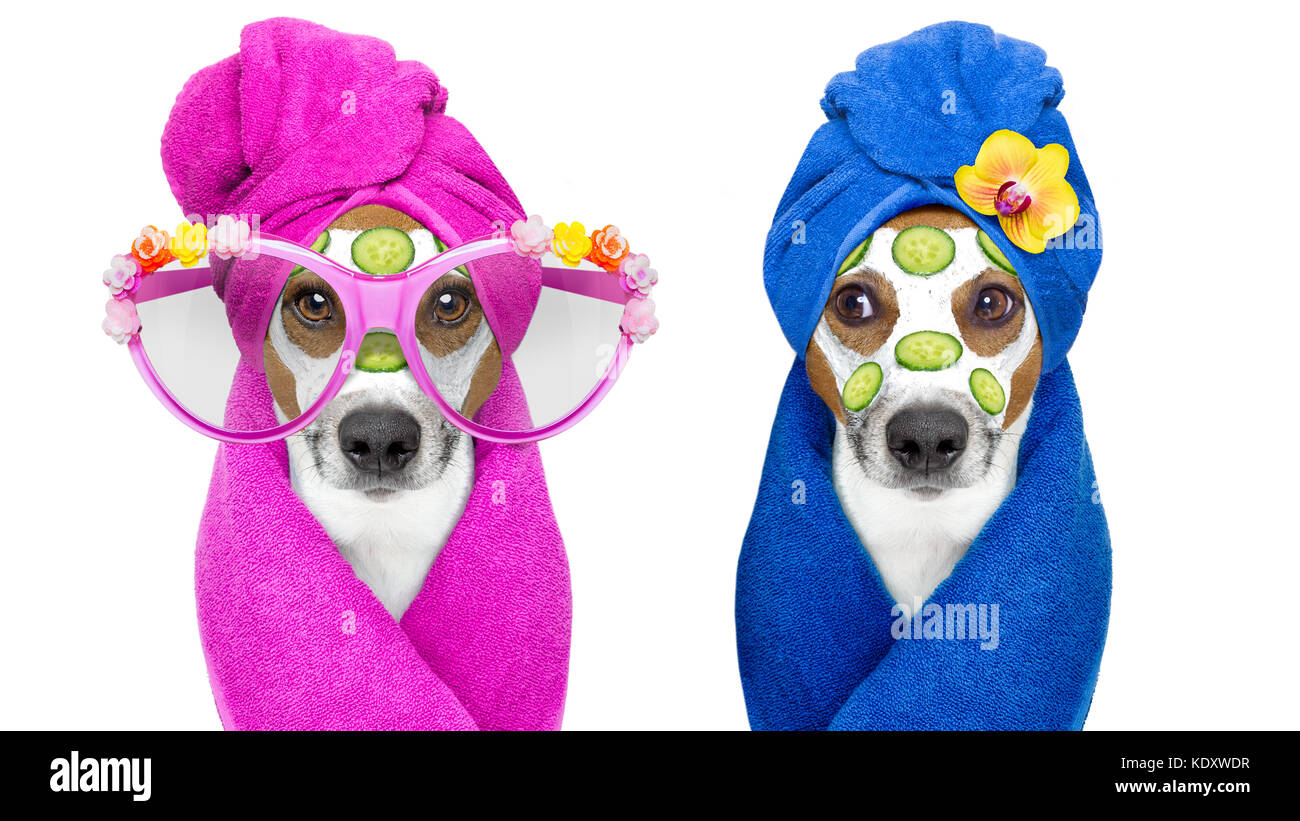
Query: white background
point(681, 123)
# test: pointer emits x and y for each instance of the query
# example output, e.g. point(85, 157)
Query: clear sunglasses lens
point(303, 342)
point(566, 345)
point(188, 341)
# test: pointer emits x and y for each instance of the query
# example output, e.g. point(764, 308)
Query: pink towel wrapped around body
point(300, 126)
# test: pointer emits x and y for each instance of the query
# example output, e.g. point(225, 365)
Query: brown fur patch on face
point(364, 217)
point(822, 379)
point(981, 337)
point(1023, 382)
point(319, 340)
point(440, 339)
point(865, 338)
point(280, 380)
point(936, 216)
point(868, 336)
point(484, 382)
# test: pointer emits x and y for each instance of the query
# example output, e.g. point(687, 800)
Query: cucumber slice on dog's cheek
point(862, 387)
point(382, 251)
point(380, 352)
point(987, 391)
point(927, 351)
point(923, 250)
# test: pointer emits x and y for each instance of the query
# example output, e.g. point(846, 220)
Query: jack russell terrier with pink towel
point(356, 305)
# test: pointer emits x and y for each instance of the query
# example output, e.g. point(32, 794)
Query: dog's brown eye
point(313, 306)
point(853, 304)
point(449, 306)
point(993, 304)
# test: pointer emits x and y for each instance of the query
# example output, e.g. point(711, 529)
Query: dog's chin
point(926, 493)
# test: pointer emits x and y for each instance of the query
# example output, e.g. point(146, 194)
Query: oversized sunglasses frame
point(386, 303)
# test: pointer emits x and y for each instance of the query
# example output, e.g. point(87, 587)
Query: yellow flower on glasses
point(571, 243)
point(190, 243)
point(1023, 186)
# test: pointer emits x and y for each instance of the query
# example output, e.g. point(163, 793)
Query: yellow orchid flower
point(1023, 186)
point(571, 243)
point(190, 243)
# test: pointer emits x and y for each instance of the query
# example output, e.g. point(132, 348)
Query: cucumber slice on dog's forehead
point(993, 253)
point(855, 257)
point(383, 250)
point(927, 351)
point(442, 246)
point(987, 391)
point(923, 250)
point(380, 352)
point(862, 386)
point(319, 245)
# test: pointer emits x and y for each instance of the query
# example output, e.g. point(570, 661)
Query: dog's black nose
point(379, 441)
point(926, 438)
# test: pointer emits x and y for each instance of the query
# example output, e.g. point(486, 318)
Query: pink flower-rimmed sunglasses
point(462, 326)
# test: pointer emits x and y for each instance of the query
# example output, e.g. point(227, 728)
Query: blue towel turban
point(813, 618)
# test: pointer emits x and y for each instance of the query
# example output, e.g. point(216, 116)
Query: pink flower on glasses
point(121, 321)
point(531, 238)
point(637, 275)
point(229, 237)
point(639, 321)
point(122, 275)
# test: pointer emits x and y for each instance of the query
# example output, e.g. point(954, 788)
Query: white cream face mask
point(310, 372)
point(926, 353)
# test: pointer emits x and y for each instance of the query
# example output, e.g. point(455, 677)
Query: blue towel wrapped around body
point(815, 626)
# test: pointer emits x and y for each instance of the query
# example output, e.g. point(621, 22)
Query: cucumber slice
point(987, 392)
point(923, 250)
point(442, 246)
point(381, 251)
point(855, 257)
point(380, 353)
point(991, 251)
point(927, 350)
point(319, 245)
point(862, 386)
